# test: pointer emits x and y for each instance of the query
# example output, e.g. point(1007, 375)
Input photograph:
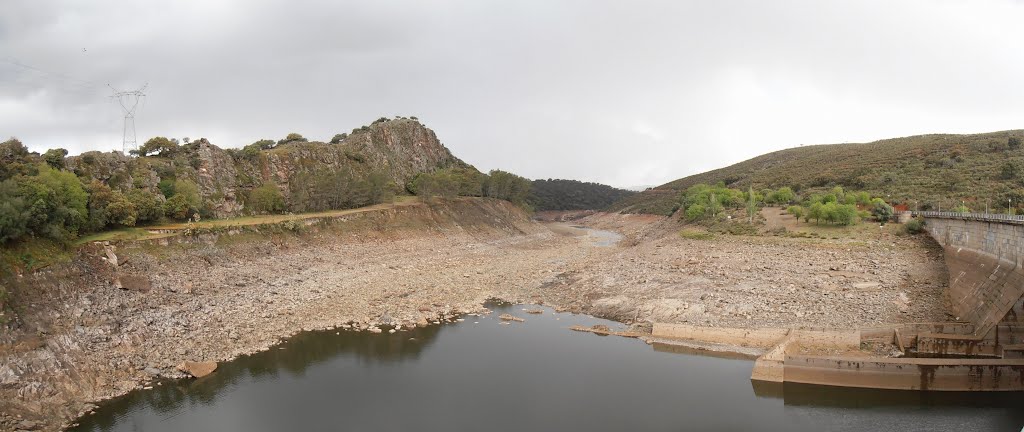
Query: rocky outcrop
point(399, 149)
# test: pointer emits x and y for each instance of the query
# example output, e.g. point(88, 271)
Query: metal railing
point(990, 217)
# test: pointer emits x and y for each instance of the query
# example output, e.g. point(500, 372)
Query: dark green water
point(532, 376)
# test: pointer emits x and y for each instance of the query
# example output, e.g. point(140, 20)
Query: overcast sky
point(620, 92)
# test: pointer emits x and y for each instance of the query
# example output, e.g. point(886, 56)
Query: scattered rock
point(198, 369)
point(507, 317)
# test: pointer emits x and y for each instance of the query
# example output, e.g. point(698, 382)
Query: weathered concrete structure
point(982, 351)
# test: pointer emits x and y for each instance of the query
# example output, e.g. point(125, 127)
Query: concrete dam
point(981, 350)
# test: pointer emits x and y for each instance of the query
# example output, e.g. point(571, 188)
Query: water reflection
point(536, 375)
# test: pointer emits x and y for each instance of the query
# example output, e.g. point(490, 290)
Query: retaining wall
point(986, 276)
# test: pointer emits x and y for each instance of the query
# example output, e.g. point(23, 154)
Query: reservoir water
point(482, 375)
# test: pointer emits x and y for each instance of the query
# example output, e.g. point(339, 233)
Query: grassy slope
point(934, 170)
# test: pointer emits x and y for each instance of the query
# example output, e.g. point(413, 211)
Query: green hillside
point(930, 171)
point(560, 194)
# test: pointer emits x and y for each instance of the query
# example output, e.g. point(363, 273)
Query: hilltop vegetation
point(926, 171)
point(573, 195)
point(55, 197)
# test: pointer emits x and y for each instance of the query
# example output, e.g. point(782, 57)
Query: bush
point(13, 214)
point(161, 146)
point(266, 199)
point(56, 203)
point(185, 202)
point(797, 211)
point(881, 211)
point(166, 187)
point(695, 212)
point(148, 206)
point(338, 138)
point(694, 234)
point(292, 137)
point(915, 226)
point(178, 207)
point(55, 158)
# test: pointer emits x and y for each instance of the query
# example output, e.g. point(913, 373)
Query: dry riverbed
point(87, 340)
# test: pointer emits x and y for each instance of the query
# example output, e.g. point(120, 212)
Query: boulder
point(507, 317)
point(198, 369)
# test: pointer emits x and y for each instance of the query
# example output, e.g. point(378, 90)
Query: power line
point(129, 101)
point(78, 82)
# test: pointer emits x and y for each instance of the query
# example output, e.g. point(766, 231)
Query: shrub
point(914, 226)
point(161, 146)
point(148, 206)
point(881, 211)
point(694, 234)
point(797, 211)
point(695, 212)
point(266, 199)
point(56, 203)
point(185, 202)
point(55, 157)
point(179, 208)
point(13, 214)
point(339, 138)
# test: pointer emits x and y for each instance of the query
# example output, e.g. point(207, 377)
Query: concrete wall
point(986, 276)
point(907, 373)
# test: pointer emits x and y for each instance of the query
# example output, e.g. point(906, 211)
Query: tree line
point(560, 194)
point(453, 182)
point(40, 197)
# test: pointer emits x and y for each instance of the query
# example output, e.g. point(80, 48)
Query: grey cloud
point(625, 93)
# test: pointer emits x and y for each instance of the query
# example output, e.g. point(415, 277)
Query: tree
point(797, 211)
point(881, 211)
point(1008, 171)
point(266, 199)
point(55, 157)
point(507, 186)
point(751, 204)
point(695, 212)
point(178, 207)
point(56, 203)
point(15, 159)
point(338, 138)
point(784, 195)
point(13, 214)
point(185, 202)
point(121, 211)
point(816, 212)
point(166, 187)
point(160, 146)
point(148, 205)
point(292, 137)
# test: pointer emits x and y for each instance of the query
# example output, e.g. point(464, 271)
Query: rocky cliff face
point(399, 149)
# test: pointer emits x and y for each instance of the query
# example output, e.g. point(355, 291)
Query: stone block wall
point(984, 258)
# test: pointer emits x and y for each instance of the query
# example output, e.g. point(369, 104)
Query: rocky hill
point(931, 171)
point(398, 149)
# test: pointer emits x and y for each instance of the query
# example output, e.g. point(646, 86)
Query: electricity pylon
point(129, 100)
